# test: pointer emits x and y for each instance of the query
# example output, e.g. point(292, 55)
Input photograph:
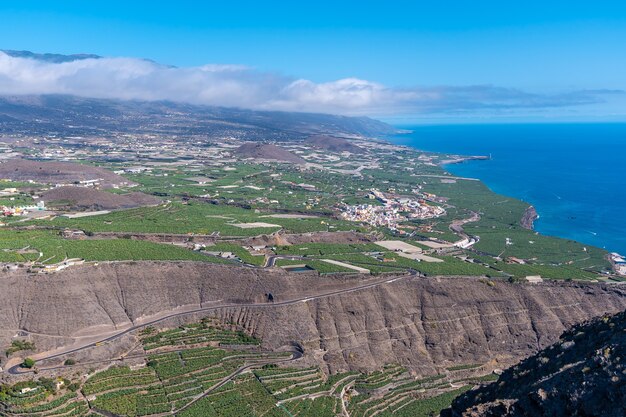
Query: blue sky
point(547, 49)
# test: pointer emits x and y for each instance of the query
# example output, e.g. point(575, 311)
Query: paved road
point(457, 227)
point(18, 370)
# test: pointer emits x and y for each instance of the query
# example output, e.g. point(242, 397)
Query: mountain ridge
point(83, 116)
point(49, 57)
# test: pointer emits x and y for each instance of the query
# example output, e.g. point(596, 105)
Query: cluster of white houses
point(392, 211)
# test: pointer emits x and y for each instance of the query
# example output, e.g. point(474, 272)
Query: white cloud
point(240, 86)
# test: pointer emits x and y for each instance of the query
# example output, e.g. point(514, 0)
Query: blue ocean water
point(574, 174)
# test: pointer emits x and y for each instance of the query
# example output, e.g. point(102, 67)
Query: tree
point(48, 384)
point(28, 363)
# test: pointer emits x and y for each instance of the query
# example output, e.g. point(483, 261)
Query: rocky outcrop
point(583, 374)
point(528, 218)
point(422, 323)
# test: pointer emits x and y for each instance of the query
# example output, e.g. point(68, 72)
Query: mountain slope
point(78, 116)
point(424, 324)
point(583, 374)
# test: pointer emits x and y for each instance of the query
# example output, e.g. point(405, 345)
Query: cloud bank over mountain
point(240, 86)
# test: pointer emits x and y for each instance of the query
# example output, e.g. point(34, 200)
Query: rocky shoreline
point(528, 218)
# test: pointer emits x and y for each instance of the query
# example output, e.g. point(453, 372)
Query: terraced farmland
point(42, 403)
point(211, 370)
point(393, 392)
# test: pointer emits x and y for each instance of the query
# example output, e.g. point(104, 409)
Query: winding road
point(457, 227)
point(17, 369)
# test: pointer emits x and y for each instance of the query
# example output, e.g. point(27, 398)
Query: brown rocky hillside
point(426, 324)
point(583, 374)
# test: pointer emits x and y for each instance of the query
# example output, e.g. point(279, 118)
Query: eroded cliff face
point(428, 324)
point(422, 323)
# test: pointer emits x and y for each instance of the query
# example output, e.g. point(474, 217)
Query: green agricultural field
point(16, 201)
point(192, 218)
point(16, 184)
point(392, 262)
point(318, 407)
point(240, 189)
point(48, 247)
point(526, 244)
point(375, 258)
point(322, 249)
point(397, 399)
point(546, 271)
point(500, 217)
point(196, 333)
point(245, 183)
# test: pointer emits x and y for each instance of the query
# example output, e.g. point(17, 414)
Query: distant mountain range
point(80, 116)
point(53, 58)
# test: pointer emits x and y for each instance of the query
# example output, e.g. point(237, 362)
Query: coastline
point(534, 163)
point(530, 215)
point(457, 159)
point(527, 221)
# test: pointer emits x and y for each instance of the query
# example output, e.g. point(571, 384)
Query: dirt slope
point(81, 198)
point(422, 323)
point(56, 172)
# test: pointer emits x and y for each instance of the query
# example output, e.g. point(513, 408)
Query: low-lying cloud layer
point(238, 86)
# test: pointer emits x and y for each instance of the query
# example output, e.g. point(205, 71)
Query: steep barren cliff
point(422, 323)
